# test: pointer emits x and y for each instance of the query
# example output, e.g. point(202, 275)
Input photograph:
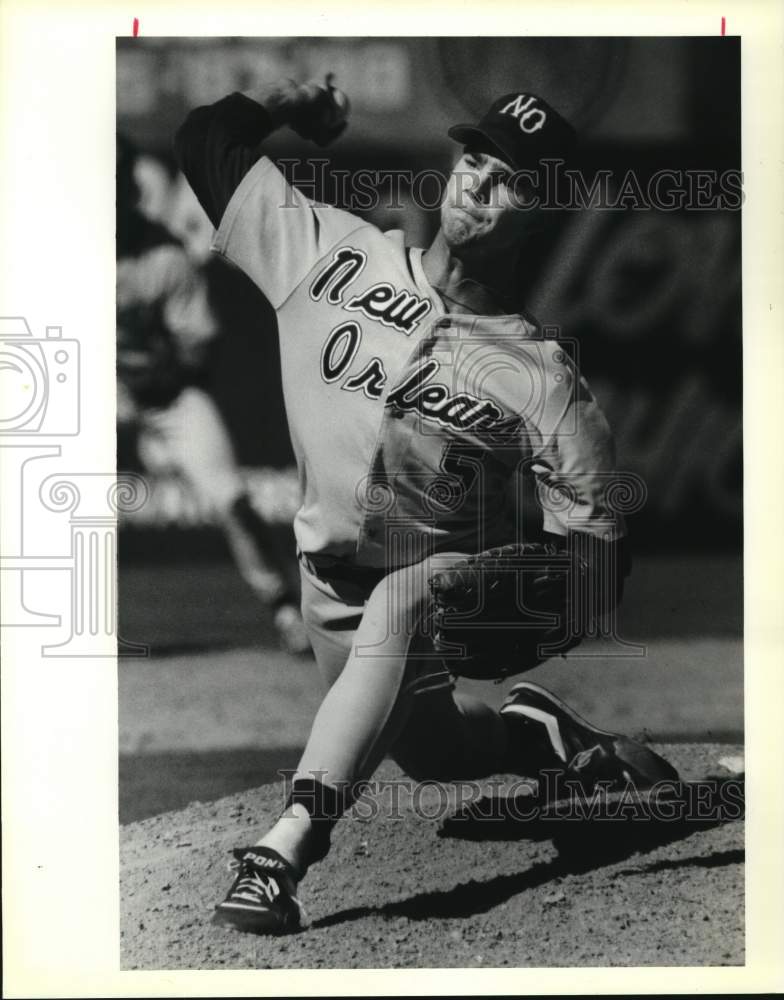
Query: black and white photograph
point(390, 591)
point(429, 360)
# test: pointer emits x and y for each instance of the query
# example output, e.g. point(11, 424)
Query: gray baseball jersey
point(412, 428)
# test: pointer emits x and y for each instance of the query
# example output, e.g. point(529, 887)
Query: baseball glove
point(324, 115)
point(506, 610)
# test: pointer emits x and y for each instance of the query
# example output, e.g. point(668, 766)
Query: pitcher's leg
point(450, 736)
point(354, 725)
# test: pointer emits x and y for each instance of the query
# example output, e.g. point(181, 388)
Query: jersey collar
point(525, 325)
point(424, 286)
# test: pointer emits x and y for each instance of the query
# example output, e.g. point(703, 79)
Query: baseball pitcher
point(428, 411)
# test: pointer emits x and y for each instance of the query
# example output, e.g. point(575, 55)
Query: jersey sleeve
point(273, 233)
point(575, 467)
point(217, 145)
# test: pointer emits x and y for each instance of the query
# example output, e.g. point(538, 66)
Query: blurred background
point(653, 299)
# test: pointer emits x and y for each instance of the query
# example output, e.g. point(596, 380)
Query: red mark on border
point(723, 26)
point(136, 27)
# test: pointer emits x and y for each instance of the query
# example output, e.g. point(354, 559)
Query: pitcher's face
point(484, 205)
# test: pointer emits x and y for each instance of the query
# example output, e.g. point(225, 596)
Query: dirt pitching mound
point(395, 892)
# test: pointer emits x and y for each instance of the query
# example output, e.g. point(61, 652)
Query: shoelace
point(252, 883)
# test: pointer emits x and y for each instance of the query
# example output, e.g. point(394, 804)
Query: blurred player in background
point(164, 328)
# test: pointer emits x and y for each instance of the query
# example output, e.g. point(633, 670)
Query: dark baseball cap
point(523, 128)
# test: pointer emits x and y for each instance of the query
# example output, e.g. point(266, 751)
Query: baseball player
point(423, 405)
point(164, 325)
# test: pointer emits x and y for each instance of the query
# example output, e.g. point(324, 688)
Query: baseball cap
point(524, 129)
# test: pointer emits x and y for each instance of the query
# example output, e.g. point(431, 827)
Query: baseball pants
point(434, 732)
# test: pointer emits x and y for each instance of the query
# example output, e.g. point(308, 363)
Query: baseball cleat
point(262, 898)
point(553, 735)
